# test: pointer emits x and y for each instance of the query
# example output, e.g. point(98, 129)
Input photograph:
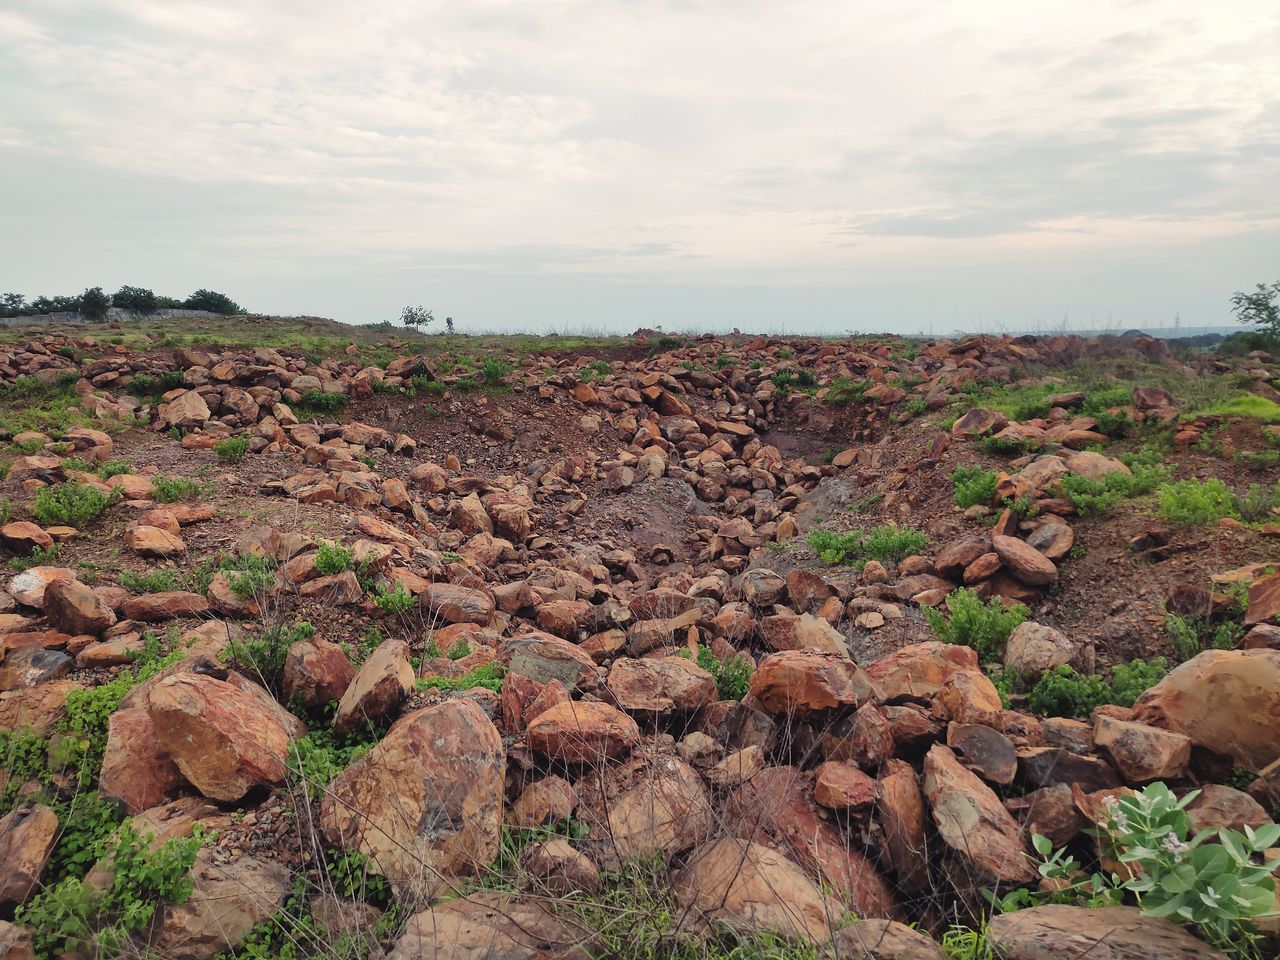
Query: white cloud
point(738, 144)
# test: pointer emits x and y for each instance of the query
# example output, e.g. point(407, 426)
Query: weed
point(262, 658)
point(319, 402)
point(984, 627)
point(333, 558)
point(1064, 692)
point(487, 675)
point(1190, 635)
point(1196, 501)
point(856, 548)
point(843, 391)
point(155, 581)
point(1098, 496)
point(70, 504)
point(732, 674)
point(396, 601)
point(39, 557)
point(232, 449)
point(314, 760)
point(494, 370)
point(974, 486)
point(175, 489)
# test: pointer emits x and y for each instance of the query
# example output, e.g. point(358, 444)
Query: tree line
point(95, 302)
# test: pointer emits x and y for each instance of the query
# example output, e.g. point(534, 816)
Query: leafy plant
point(175, 489)
point(396, 601)
point(1196, 501)
point(251, 575)
point(39, 557)
point(70, 504)
point(333, 558)
point(856, 548)
point(984, 627)
point(1098, 496)
point(318, 401)
point(314, 760)
point(494, 370)
point(732, 674)
point(1064, 692)
point(974, 486)
point(154, 581)
point(487, 675)
point(263, 657)
point(232, 449)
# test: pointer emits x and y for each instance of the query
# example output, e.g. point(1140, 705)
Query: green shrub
point(857, 547)
point(70, 504)
point(487, 675)
point(595, 370)
point(1066, 693)
point(395, 601)
point(732, 674)
point(156, 581)
point(314, 760)
point(1093, 497)
point(333, 558)
point(1258, 503)
point(114, 468)
point(1130, 681)
point(1005, 446)
point(74, 917)
point(39, 557)
point(1196, 501)
point(974, 486)
point(1190, 635)
point(232, 449)
point(984, 627)
point(250, 575)
point(318, 401)
point(262, 658)
point(494, 370)
point(175, 489)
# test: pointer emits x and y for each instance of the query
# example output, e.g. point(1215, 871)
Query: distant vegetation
point(94, 303)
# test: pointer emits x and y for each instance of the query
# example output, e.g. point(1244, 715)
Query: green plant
point(314, 760)
point(487, 675)
point(856, 548)
point(1216, 880)
point(39, 557)
point(395, 601)
point(232, 449)
point(74, 917)
point(156, 581)
point(251, 575)
point(595, 370)
point(917, 406)
point(70, 504)
point(263, 657)
point(843, 391)
point(1005, 446)
point(1190, 635)
point(459, 649)
point(1130, 680)
point(1098, 496)
point(333, 558)
point(974, 486)
point(494, 370)
point(1261, 307)
point(732, 674)
point(1196, 501)
point(1259, 503)
point(318, 402)
point(984, 627)
point(175, 489)
point(965, 943)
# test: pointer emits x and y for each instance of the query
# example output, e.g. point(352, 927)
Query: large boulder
point(1025, 562)
point(489, 926)
point(660, 684)
point(1034, 648)
point(582, 731)
point(26, 840)
point(457, 604)
point(227, 901)
point(1058, 930)
point(750, 889)
point(1226, 701)
point(376, 694)
point(973, 822)
point(425, 804)
point(802, 680)
point(136, 768)
point(223, 737)
point(316, 673)
point(74, 608)
point(653, 806)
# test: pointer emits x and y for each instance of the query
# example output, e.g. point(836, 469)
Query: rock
point(549, 800)
point(805, 632)
point(168, 605)
point(559, 868)
point(1034, 648)
point(1219, 806)
point(763, 588)
point(838, 785)
point(543, 658)
point(316, 672)
point(973, 823)
point(75, 609)
point(1140, 752)
point(487, 925)
point(1054, 539)
point(986, 751)
point(29, 586)
point(660, 684)
point(136, 768)
point(1025, 562)
point(31, 666)
point(750, 889)
point(1226, 701)
point(978, 422)
point(186, 410)
point(15, 942)
point(1054, 931)
point(378, 691)
point(227, 901)
point(920, 669)
point(152, 541)
point(800, 680)
point(24, 537)
point(582, 731)
point(1264, 600)
point(649, 806)
point(456, 604)
point(27, 835)
point(885, 940)
point(425, 804)
point(737, 768)
point(1094, 466)
point(220, 736)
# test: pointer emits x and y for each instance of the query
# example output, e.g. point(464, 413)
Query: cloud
point(675, 142)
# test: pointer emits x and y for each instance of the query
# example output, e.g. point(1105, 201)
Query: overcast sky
point(776, 166)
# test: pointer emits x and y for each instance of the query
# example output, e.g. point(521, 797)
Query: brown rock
point(972, 821)
point(29, 586)
point(1140, 752)
point(885, 940)
point(559, 868)
point(425, 804)
point(549, 800)
point(581, 731)
point(1054, 931)
point(27, 835)
point(1034, 648)
point(660, 684)
point(74, 608)
point(152, 541)
point(316, 672)
point(220, 736)
point(802, 680)
point(490, 926)
point(164, 606)
point(838, 785)
point(136, 768)
point(456, 604)
point(378, 691)
point(24, 537)
point(1025, 562)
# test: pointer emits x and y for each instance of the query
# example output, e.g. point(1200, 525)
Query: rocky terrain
point(324, 645)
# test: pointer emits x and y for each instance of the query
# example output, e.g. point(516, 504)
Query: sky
point(780, 166)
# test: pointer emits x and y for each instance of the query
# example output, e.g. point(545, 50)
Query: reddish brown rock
point(842, 786)
point(27, 835)
point(75, 609)
point(455, 604)
point(1024, 561)
point(379, 689)
point(136, 768)
point(152, 541)
point(580, 731)
point(660, 684)
point(1140, 752)
point(316, 673)
point(169, 605)
point(24, 537)
point(900, 811)
point(802, 680)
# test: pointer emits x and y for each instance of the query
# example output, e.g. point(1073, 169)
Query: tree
point(94, 303)
point(448, 324)
point(212, 301)
point(12, 304)
point(1261, 307)
point(137, 299)
point(416, 317)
